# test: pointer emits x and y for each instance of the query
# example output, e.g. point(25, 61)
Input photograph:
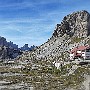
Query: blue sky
point(34, 21)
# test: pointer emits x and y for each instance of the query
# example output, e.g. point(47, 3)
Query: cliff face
point(74, 30)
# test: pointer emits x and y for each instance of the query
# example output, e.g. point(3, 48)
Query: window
point(87, 50)
point(83, 50)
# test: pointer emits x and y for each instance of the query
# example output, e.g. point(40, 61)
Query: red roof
point(79, 48)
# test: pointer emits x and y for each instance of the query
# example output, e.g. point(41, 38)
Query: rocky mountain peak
point(76, 24)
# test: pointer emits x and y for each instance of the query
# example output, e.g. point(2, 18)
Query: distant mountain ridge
point(8, 50)
point(3, 42)
point(27, 48)
point(74, 30)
